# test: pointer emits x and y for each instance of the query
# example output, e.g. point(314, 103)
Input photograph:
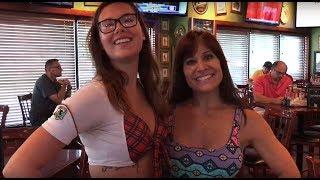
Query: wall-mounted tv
point(264, 12)
point(308, 14)
point(173, 8)
point(58, 4)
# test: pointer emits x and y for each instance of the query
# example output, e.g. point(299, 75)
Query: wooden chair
point(307, 142)
point(243, 90)
point(301, 83)
point(4, 109)
point(313, 167)
point(245, 93)
point(282, 126)
point(25, 105)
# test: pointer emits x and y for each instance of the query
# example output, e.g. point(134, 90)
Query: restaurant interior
point(33, 32)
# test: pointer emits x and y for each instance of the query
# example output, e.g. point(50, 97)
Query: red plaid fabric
point(161, 159)
point(138, 136)
point(139, 141)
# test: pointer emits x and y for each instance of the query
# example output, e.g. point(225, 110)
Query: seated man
point(271, 88)
point(48, 92)
point(265, 70)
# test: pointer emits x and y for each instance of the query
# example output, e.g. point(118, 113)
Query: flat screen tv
point(173, 8)
point(308, 14)
point(264, 12)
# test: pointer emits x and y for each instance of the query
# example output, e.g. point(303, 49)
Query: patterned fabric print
point(195, 162)
point(140, 140)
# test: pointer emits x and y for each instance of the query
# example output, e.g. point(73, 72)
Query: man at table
point(265, 70)
point(271, 88)
point(48, 92)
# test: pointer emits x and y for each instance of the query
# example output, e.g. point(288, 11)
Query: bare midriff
point(142, 169)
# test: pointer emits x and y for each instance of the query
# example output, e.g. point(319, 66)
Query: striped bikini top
point(223, 162)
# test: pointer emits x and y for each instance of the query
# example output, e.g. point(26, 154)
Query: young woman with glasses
point(118, 117)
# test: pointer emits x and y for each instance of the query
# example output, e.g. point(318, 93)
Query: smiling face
point(203, 71)
point(124, 43)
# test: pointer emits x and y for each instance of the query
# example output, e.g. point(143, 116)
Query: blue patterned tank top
point(224, 162)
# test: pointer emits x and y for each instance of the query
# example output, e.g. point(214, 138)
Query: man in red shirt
point(271, 88)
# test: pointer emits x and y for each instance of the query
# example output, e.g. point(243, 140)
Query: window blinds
point(152, 35)
point(292, 50)
point(27, 42)
point(86, 69)
point(263, 47)
point(235, 46)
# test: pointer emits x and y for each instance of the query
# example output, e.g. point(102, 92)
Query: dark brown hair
point(49, 63)
point(179, 90)
point(115, 80)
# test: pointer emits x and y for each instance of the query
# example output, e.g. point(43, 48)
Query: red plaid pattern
point(138, 136)
point(161, 160)
point(139, 141)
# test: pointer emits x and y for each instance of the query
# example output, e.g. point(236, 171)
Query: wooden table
point(12, 138)
point(300, 112)
point(65, 158)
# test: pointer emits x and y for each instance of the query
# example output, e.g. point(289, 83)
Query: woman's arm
point(33, 154)
point(261, 136)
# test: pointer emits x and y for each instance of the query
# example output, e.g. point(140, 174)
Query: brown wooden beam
point(36, 8)
point(247, 25)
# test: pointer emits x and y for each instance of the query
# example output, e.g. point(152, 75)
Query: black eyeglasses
point(109, 25)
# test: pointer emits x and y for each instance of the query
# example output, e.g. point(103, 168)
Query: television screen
point(59, 4)
point(264, 12)
point(308, 14)
point(175, 8)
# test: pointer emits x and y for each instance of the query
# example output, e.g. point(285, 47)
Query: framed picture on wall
point(92, 3)
point(164, 56)
point(236, 7)
point(200, 7)
point(165, 72)
point(202, 24)
point(317, 60)
point(220, 8)
point(164, 24)
point(164, 40)
point(319, 42)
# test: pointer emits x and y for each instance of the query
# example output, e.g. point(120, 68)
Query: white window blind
point(86, 70)
point(292, 50)
point(263, 47)
point(27, 42)
point(152, 35)
point(235, 47)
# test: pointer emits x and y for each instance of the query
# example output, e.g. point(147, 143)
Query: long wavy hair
point(179, 90)
point(115, 80)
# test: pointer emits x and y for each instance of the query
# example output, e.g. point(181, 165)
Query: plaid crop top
point(110, 138)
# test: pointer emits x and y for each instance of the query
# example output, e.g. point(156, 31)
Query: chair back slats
point(4, 110)
point(301, 83)
point(282, 125)
point(313, 167)
point(245, 94)
point(25, 105)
